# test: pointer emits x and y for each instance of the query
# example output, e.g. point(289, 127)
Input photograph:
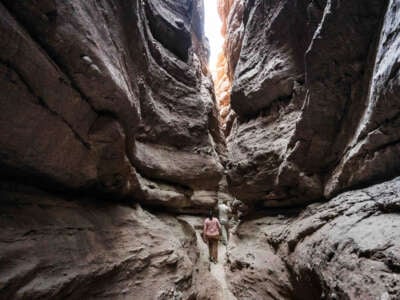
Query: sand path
point(218, 271)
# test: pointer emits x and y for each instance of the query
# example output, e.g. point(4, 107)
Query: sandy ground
point(218, 271)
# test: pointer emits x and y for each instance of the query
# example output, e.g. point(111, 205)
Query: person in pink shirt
point(211, 232)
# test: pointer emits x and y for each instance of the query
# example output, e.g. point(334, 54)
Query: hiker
point(211, 233)
point(239, 209)
point(224, 211)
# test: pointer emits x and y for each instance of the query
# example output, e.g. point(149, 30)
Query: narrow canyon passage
point(218, 271)
point(121, 128)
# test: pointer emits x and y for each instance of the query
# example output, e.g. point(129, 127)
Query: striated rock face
point(222, 87)
point(108, 106)
point(372, 151)
point(109, 97)
point(105, 102)
point(52, 247)
point(231, 14)
point(222, 83)
point(347, 248)
point(314, 90)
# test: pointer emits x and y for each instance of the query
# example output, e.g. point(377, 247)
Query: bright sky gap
point(212, 29)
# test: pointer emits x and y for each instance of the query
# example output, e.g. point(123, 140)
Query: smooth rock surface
point(77, 76)
point(313, 118)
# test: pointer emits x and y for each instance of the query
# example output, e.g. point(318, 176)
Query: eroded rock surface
point(107, 104)
point(231, 14)
point(93, 92)
point(52, 247)
point(309, 86)
point(347, 248)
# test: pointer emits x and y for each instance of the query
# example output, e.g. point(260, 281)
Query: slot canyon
point(116, 141)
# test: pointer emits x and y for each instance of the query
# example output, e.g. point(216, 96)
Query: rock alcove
point(112, 147)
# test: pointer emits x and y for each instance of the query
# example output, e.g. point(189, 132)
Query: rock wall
point(231, 14)
point(347, 248)
point(106, 106)
point(315, 113)
point(314, 90)
point(110, 97)
point(54, 247)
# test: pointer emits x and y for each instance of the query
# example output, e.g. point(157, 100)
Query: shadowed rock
point(308, 89)
point(347, 248)
point(80, 76)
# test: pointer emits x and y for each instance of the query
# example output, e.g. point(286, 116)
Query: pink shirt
point(211, 227)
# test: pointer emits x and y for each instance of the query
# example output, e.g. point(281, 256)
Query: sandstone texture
point(347, 248)
point(315, 90)
point(105, 105)
point(231, 14)
point(114, 141)
point(55, 248)
point(110, 97)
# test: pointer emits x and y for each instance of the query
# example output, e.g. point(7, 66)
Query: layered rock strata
point(55, 248)
point(231, 14)
point(110, 97)
point(314, 90)
point(347, 248)
point(107, 104)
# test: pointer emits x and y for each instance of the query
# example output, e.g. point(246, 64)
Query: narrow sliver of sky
point(212, 29)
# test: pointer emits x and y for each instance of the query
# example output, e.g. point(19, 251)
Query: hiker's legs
point(215, 249)
point(227, 231)
point(224, 235)
point(210, 245)
point(235, 226)
point(239, 220)
point(224, 230)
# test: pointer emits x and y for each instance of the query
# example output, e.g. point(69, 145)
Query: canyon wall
point(110, 97)
point(347, 248)
point(231, 14)
point(110, 137)
point(105, 105)
point(314, 113)
point(55, 247)
point(315, 90)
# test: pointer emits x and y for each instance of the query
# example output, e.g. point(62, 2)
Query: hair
point(210, 214)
